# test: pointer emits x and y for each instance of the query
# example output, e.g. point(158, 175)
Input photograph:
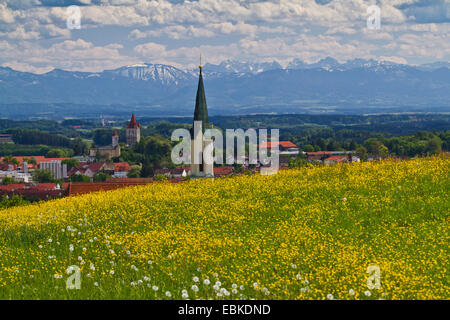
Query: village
point(85, 174)
point(103, 167)
point(19, 170)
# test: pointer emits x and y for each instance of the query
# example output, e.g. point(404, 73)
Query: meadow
point(308, 233)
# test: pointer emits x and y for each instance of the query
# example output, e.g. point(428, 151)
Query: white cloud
point(69, 55)
point(394, 59)
point(20, 34)
point(6, 14)
point(208, 30)
point(220, 29)
point(25, 67)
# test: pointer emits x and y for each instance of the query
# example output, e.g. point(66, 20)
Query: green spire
point(201, 110)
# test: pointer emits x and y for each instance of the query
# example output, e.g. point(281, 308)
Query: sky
point(35, 35)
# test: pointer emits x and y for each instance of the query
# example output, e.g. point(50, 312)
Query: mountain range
point(358, 86)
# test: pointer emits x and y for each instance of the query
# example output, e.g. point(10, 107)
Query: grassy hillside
point(301, 234)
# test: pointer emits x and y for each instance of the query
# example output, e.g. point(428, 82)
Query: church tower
point(133, 132)
point(115, 139)
point(198, 143)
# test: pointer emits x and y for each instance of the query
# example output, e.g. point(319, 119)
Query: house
point(318, 156)
point(284, 147)
point(107, 152)
point(180, 172)
point(40, 191)
point(6, 138)
point(17, 176)
point(223, 171)
point(121, 169)
point(91, 169)
point(336, 159)
point(16, 172)
point(37, 159)
point(8, 167)
point(173, 173)
point(316, 159)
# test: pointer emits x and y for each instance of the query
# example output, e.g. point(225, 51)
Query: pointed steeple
point(133, 123)
point(201, 109)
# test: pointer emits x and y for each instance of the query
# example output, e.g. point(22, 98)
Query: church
point(198, 143)
point(133, 136)
point(107, 152)
point(133, 132)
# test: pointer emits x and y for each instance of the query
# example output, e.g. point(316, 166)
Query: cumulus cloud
point(128, 31)
point(209, 30)
point(21, 34)
point(77, 55)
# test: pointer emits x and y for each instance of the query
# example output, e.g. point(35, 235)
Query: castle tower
point(133, 132)
point(198, 143)
point(115, 139)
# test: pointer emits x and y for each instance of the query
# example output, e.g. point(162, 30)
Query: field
point(309, 233)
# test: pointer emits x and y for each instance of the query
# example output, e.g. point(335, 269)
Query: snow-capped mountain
point(331, 64)
point(160, 73)
point(231, 66)
point(235, 87)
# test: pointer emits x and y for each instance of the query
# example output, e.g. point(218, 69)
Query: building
point(17, 176)
point(91, 169)
point(133, 132)
point(107, 152)
point(21, 172)
point(198, 143)
point(121, 169)
point(173, 173)
point(56, 167)
point(6, 138)
point(284, 147)
point(223, 171)
point(336, 159)
point(32, 161)
point(42, 191)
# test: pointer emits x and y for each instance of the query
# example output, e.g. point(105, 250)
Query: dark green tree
point(101, 177)
point(43, 176)
point(80, 178)
point(56, 153)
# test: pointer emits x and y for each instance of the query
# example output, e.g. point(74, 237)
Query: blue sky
point(34, 36)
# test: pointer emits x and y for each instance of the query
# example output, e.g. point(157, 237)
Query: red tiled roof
point(50, 186)
point(5, 166)
point(162, 171)
point(12, 187)
point(111, 184)
point(42, 191)
point(284, 144)
point(96, 166)
point(180, 170)
point(83, 167)
point(39, 159)
point(133, 123)
point(336, 158)
point(122, 167)
point(223, 171)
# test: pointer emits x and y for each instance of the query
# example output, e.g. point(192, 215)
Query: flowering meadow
point(309, 233)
